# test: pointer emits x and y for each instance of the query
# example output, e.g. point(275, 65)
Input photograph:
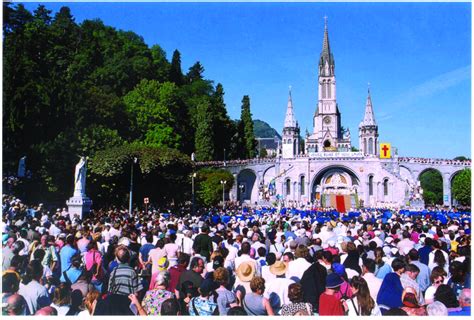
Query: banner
point(385, 151)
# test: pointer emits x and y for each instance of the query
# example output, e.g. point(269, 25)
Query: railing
point(434, 161)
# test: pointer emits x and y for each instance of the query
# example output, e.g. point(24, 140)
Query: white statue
point(80, 178)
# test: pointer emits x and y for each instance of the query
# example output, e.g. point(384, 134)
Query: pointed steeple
point(326, 58)
point(369, 118)
point(290, 120)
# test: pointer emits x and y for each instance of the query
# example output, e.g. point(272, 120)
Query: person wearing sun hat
point(276, 290)
point(245, 273)
point(329, 305)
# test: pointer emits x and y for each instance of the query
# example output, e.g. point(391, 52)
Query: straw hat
point(246, 271)
point(278, 268)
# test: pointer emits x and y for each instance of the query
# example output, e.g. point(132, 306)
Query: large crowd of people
point(261, 261)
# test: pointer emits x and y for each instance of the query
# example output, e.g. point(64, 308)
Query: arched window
point(385, 187)
point(324, 89)
point(371, 146)
point(365, 146)
point(371, 185)
point(288, 187)
point(302, 182)
point(329, 89)
point(294, 148)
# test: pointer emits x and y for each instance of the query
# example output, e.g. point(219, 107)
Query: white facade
point(329, 173)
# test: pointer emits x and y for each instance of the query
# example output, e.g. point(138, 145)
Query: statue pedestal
point(78, 205)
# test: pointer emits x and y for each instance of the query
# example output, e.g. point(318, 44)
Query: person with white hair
point(436, 308)
point(155, 297)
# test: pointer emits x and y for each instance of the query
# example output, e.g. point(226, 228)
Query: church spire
point(326, 61)
point(369, 118)
point(290, 120)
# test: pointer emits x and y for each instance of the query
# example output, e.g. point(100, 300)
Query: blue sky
point(416, 56)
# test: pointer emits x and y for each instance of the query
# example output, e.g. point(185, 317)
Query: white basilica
point(330, 172)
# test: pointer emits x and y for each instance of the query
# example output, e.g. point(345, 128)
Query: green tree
point(263, 153)
point(247, 129)
point(209, 187)
point(432, 184)
point(461, 158)
point(176, 73)
point(161, 173)
point(195, 72)
point(204, 139)
point(152, 106)
point(462, 187)
point(223, 126)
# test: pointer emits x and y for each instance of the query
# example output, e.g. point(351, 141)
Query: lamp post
point(131, 186)
point(192, 191)
point(223, 182)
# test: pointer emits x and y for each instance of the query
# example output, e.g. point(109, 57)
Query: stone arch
point(247, 179)
point(428, 169)
point(316, 179)
point(454, 174)
point(268, 175)
point(406, 173)
point(443, 186)
point(450, 186)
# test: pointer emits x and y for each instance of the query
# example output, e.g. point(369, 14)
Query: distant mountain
point(261, 129)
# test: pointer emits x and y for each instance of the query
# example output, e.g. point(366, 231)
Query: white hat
point(394, 250)
point(377, 232)
point(124, 241)
point(331, 243)
point(387, 251)
point(388, 240)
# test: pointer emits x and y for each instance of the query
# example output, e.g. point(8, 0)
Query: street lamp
point(131, 186)
point(223, 182)
point(192, 190)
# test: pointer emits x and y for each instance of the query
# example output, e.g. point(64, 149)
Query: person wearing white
point(373, 282)
point(245, 257)
point(185, 243)
point(297, 267)
point(432, 263)
point(361, 295)
point(276, 290)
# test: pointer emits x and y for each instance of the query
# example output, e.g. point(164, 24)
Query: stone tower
point(368, 130)
point(328, 134)
point(291, 132)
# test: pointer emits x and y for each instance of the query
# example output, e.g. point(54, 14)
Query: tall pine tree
point(223, 126)
point(204, 138)
point(176, 74)
point(246, 129)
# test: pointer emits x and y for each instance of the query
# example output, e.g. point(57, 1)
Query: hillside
point(262, 129)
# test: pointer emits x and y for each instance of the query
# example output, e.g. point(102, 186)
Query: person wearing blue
point(72, 274)
point(464, 303)
point(424, 251)
point(390, 293)
point(66, 254)
point(423, 278)
point(145, 250)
